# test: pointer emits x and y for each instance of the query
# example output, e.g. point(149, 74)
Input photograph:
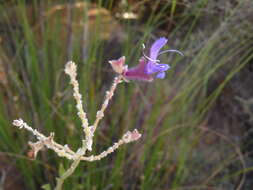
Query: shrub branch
point(64, 150)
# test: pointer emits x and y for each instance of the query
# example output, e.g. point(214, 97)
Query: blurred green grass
point(39, 37)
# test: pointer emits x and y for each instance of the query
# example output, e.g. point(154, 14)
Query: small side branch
point(65, 151)
point(108, 97)
point(62, 151)
point(128, 137)
point(71, 70)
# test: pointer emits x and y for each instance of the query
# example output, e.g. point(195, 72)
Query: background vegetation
point(196, 123)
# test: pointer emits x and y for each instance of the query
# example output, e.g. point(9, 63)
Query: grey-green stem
point(68, 173)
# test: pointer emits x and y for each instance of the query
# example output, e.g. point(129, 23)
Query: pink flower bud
point(131, 136)
point(118, 65)
point(135, 135)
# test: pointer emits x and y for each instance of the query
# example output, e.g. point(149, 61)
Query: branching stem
point(65, 151)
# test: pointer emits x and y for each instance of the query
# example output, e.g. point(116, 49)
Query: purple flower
point(152, 65)
point(149, 66)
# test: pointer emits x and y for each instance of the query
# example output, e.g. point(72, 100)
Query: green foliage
point(39, 39)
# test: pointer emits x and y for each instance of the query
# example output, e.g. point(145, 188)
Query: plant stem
point(108, 97)
point(68, 173)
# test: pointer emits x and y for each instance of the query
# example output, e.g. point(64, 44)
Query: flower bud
point(118, 65)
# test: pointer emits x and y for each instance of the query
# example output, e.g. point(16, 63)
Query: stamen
point(171, 50)
point(148, 58)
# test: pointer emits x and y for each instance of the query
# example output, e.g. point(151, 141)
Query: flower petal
point(156, 46)
point(154, 52)
point(154, 67)
point(160, 75)
point(138, 72)
point(162, 67)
